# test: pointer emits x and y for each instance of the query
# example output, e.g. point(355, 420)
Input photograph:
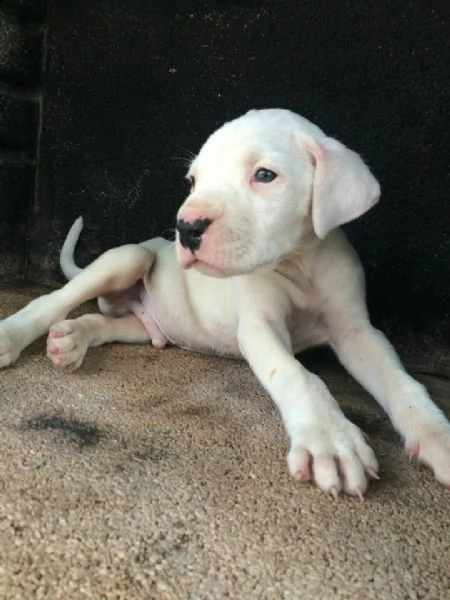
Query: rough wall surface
point(131, 87)
point(22, 36)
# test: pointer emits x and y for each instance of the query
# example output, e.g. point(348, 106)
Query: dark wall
point(22, 34)
point(131, 87)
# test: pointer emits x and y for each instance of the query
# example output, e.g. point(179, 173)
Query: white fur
point(273, 274)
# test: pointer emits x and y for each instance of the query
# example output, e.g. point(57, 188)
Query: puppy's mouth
point(188, 259)
point(204, 267)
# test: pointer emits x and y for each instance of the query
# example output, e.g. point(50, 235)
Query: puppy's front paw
point(431, 446)
point(335, 455)
point(425, 429)
point(67, 344)
point(9, 346)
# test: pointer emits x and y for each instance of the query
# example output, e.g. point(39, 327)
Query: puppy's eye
point(191, 181)
point(264, 175)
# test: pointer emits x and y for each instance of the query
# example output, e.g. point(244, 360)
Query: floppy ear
point(343, 187)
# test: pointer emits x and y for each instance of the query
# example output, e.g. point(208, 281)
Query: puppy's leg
point(115, 270)
point(324, 444)
point(370, 358)
point(68, 341)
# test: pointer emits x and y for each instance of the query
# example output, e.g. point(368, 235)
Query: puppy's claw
point(302, 475)
point(334, 492)
point(412, 451)
point(372, 473)
point(359, 494)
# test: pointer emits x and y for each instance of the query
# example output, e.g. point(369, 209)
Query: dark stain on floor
point(83, 434)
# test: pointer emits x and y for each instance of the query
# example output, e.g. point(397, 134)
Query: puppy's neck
point(299, 258)
point(295, 270)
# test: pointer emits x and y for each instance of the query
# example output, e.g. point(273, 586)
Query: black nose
point(191, 233)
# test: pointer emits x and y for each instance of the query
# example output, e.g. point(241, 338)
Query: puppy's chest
point(305, 323)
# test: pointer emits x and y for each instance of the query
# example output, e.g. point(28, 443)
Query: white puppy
point(273, 274)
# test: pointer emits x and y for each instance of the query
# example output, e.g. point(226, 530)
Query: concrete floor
point(161, 474)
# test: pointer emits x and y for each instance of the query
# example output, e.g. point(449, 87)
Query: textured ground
point(161, 474)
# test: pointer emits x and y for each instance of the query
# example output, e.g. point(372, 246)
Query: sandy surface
point(161, 474)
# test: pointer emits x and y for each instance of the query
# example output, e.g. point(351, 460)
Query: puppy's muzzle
point(191, 233)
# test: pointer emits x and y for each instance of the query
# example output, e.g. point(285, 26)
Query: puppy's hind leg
point(68, 341)
point(115, 270)
point(118, 304)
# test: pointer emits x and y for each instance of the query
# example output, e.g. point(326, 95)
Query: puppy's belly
point(185, 327)
point(217, 334)
point(180, 329)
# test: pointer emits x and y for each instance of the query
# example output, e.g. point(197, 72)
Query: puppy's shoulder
point(335, 251)
point(336, 267)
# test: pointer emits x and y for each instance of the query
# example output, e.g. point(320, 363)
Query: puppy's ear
point(343, 187)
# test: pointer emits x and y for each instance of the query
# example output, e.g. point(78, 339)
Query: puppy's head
point(260, 186)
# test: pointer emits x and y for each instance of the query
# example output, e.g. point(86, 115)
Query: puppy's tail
point(66, 259)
